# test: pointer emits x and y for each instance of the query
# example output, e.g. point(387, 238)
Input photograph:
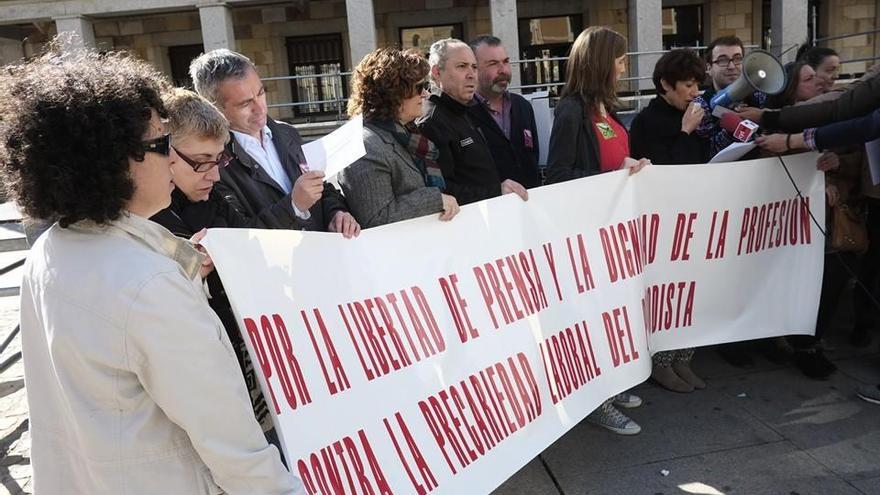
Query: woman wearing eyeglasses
point(399, 177)
point(131, 383)
point(199, 133)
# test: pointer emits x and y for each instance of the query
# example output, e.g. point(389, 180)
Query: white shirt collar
point(265, 134)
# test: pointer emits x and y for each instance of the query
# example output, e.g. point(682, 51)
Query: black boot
point(860, 337)
point(813, 363)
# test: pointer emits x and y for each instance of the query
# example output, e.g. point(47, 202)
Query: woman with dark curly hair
point(131, 381)
point(399, 177)
point(665, 134)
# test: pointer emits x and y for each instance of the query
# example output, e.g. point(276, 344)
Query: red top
point(613, 143)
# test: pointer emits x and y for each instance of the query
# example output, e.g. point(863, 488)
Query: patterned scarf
point(424, 153)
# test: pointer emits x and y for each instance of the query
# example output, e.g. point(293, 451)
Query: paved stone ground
point(15, 468)
point(786, 434)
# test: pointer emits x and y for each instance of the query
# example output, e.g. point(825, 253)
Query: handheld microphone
point(741, 129)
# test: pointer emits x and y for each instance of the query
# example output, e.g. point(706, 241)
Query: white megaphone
point(760, 72)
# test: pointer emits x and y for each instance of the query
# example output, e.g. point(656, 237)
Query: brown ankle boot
point(667, 379)
point(684, 371)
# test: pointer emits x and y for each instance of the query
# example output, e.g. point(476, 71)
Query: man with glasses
point(724, 59)
point(268, 178)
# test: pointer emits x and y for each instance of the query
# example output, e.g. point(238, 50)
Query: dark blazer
point(848, 132)
point(385, 185)
point(656, 134)
point(517, 157)
point(574, 148)
point(467, 165)
point(254, 194)
point(861, 100)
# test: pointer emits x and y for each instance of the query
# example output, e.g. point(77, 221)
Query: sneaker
point(870, 393)
point(627, 400)
point(813, 363)
point(609, 417)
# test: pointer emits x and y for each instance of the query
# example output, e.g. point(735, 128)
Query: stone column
point(81, 28)
point(788, 27)
point(216, 20)
point(504, 25)
point(361, 28)
point(645, 35)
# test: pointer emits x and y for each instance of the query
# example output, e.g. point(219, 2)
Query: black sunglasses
point(161, 145)
point(201, 167)
point(422, 86)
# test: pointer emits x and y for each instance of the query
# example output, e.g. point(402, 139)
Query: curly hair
point(69, 123)
point(382, 80)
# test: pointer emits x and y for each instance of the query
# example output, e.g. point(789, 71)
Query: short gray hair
point(210, 69)
point(439, 52)
point(192, 115)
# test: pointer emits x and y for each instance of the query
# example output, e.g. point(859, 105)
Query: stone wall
point(149, 37)
point(262, 31)
point(851, 16)
point(732, 18)
point(611, 13)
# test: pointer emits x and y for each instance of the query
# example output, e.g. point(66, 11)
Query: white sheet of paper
point(872, 149)
point(337, 150)
point(733, 152)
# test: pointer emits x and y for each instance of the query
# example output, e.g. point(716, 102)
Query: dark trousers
point(834, 278)
point(865, 308)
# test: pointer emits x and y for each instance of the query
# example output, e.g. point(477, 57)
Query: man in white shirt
point(268, 178)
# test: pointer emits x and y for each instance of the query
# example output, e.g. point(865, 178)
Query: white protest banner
point(430, 356)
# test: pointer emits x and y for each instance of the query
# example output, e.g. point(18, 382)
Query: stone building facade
point(304, 37)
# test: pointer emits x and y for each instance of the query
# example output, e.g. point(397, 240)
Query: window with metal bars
point(316, 63)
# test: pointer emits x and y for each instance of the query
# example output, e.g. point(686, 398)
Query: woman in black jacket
point(587, 139)
point(199, 133)
point(664, 133)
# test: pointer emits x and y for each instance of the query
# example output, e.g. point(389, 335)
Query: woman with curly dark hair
point(131, 382)
point(399, 177)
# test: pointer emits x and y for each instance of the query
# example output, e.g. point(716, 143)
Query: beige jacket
point(131, 381)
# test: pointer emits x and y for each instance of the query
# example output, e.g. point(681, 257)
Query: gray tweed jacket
point(385, 185)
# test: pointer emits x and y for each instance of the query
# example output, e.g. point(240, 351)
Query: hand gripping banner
point(440, 357)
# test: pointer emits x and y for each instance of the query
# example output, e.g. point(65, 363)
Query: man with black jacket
point(465, 160)
point(267, 178)
point(505, 119)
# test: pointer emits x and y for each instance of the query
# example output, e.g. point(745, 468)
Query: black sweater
point(656, 134)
